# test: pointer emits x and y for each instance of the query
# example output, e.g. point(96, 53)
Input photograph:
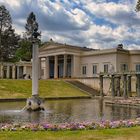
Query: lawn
point(107, 134)
point(47, 88)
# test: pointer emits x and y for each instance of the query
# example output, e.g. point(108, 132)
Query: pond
point(60, 111)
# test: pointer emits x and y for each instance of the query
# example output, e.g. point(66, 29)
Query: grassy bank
point(47, 88)
point(107, 134)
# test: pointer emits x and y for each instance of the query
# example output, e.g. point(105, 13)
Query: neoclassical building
point(67, 61)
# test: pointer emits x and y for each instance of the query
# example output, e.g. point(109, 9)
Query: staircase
point(83, 87)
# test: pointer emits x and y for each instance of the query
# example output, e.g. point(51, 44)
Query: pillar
point(8, 72)
point(17, 72)
point(13, 72)
point(113, 85)
point(138, 85)
point(24, 69)
point(55, 66)
point(101, 85)
point(65, 66)
point(125, 86)
point(118, 85)
point(129, 85)
point(2, 73)
point(47, 68)
point(39, 68)
point(35, 70)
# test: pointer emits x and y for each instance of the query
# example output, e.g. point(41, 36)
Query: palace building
point(66, 61)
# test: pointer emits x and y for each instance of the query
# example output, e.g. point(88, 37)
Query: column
point(129, 85)
point(101, 85)
point(138, 85)
point(56, 66)
point(39, 68)
point(24, 69)
point(8, 72)
point(47, 68)
point(13, 72)
point(113, 85)
point(118, 85)
point(2, 74)
point(65, 66)
point(17, 72)
point(125, 86)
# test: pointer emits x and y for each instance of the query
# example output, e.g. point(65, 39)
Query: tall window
point(94, 69)
point(137, 67)
point(84, 70)
point(105, 68)
point(124, 67)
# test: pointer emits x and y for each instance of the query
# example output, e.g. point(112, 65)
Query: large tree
point(8, 38)
point(138, 6)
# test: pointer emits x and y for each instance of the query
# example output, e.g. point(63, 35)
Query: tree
point(24, 52)
point(32, 27)
point(138, 6)
point(8, 38)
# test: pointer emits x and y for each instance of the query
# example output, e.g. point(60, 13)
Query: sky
point(97, 24)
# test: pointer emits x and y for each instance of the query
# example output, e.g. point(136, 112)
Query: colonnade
point(116, 84)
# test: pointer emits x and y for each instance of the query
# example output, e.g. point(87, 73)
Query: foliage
point(32, 27)
point(24, 52)
point(8, 38)
point(138, 6)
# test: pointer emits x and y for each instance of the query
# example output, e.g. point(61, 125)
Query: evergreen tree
point(138, 6)
point(8, 38)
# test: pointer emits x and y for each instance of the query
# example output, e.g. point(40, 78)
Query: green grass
point(107, 134)
point(47, 88)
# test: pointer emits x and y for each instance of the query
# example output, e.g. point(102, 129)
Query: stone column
point(35, 70)
point(13, 72)
point(118, 85)
point(47, 68)
point(2, 74)
point(24, 69)
point(8, 72)
point(39, 68)
point(125, 86)
point(65, 66)
point(55, 66)
point(129, 85)
point(138, 85)
point(17, 72)
point(113, 85)
point(101, 85)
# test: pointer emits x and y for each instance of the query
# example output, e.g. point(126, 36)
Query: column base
point(35, 103)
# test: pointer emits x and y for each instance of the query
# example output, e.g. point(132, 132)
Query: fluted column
point(13, 72)
point(65, 66)
point(55, 66)
point(17, 72)
point(47, 68)
point(118, 85)
point(24, 69)
point(8, 72)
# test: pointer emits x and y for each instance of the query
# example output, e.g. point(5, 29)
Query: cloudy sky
point(91, 23)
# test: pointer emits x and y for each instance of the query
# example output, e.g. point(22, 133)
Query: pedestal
point(35, 103)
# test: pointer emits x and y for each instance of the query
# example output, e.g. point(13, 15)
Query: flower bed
point(69, 126)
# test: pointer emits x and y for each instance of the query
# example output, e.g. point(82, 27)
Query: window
point(105, 68)
point(137, 67)
point(94, 69)
point(84, 70)
point(124, 67)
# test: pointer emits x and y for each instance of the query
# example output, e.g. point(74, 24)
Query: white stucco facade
point(84, 62)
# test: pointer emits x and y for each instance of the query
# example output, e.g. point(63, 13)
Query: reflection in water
point(61, 111)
